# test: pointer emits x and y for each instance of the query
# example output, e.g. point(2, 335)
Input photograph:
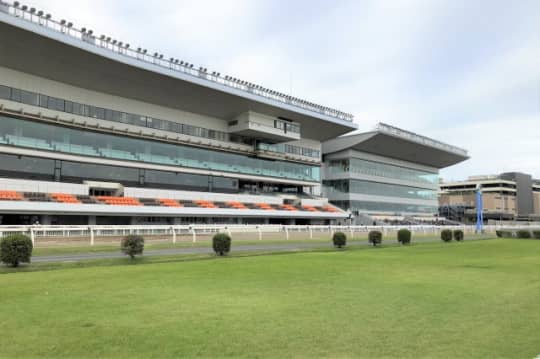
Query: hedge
point(375, 237)
point(339, 239)
point(132, 245)
point(458, 235)
point(221, 243)
point(15, 249)
point(446, 235)
point(404, 236)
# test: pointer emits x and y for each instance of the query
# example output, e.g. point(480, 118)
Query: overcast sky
point(461, 71)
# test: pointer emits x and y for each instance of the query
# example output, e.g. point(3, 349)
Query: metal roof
point(52, 49)
point(392, 142)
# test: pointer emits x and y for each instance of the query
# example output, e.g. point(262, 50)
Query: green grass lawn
point(473, 299)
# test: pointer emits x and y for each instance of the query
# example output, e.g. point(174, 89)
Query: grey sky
point(464, 72)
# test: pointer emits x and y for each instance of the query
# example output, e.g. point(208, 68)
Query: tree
point(404, 236)
point(132, 245)
point(221, 242)
point(458, 235)
point(15, 249)
point(446, 235)
point(339, 239)
point(375, 237)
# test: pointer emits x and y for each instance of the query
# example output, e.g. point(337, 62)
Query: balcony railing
point(382, 127)
point(157, 59)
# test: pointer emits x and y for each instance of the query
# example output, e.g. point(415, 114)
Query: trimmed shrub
point(221, 242)
point(339, 239)
point(536, 234)
point(503, 234)
point(446, 235)
point(132, 245)
point(523, 233)
point(458, 235)
point(404, 236)
point(15, 249)
point(375, 237)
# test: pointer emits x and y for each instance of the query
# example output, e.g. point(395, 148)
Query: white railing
point(172, 232)
point(123, 49)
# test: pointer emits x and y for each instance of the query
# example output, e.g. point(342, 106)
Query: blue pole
point(479, 211)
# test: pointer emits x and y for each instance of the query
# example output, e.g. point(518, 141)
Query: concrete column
point(45, 220)
point(91, 220)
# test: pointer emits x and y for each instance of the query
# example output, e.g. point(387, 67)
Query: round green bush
point(132, 245)
point(458, 235)
point(339, 239)
point(536, 234)
point(446, 235)
point(375, 237)
point(404, 236)
point(523, 233)
point(221, 242)
point(15, 249)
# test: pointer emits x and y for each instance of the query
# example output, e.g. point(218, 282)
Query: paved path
point(277, 247)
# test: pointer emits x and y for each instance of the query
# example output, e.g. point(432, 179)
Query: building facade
point(508, 196)
point(388, 173)
point(95, 131)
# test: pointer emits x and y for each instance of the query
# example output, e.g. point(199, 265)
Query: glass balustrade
point(42, 136)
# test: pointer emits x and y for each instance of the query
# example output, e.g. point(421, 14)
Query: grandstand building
point(505, 197)
point(388, 175)
point(95, 131)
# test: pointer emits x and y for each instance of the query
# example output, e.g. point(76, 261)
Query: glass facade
point(75, 172)
point(286, 148)
point(370, 168)
point(379, 207)
point(379, 189)
point(42, 136)
point(57, 104)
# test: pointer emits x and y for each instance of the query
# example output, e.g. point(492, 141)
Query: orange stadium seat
point(167, 202)
point(119, 201)
point(10, 196)
point(64, 198)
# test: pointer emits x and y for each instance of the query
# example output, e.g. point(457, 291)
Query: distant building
point(386, 174)
point(508, 196)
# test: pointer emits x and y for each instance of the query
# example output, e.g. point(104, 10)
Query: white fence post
point(32, 237)
point(260, 233)
point(173, 234)
point(286, 233)
point(310, 233)
point(91, 230)
point(194, 235)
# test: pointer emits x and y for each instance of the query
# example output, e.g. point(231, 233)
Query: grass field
point(473, 299)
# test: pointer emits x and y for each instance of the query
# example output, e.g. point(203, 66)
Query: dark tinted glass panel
point(86, 171)
point(26, 167)
point(29, 98)
point(5, 92)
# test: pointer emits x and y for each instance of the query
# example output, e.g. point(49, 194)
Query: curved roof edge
point(103, 46)
point(392, 142)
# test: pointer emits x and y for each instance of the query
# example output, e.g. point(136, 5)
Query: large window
point(379, 189)
point(370, 168)
point(381, 207)
point(53, 103)
point(48, 137)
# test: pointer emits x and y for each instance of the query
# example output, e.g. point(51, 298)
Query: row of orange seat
point(119, 201)
point(64, 198)
point(10, 196)
point(166, 202)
